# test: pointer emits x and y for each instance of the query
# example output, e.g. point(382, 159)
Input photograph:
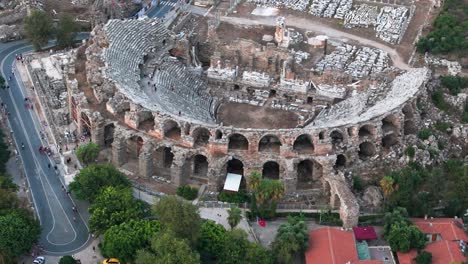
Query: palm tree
point(255, 179)
point(235, 215)
point(387, 184)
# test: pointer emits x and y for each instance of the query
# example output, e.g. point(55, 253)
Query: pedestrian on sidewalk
point(48, 165)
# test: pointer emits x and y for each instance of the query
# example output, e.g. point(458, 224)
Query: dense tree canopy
point(87, 153)
point(113, 206)
point(404, 237)
point(212, 237)
point(122, 241)
point(168, 249)
point(234, 217)
point(238, 250)
point(266, 193)
point(67, 260)
point(66, 31)
point(398, 215)
point(179, 216)
point(90, 180)
point(291, 240)
point(449, 30)
point(39, 28)
point(18, 233)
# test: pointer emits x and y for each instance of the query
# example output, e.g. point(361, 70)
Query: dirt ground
point(249, 116)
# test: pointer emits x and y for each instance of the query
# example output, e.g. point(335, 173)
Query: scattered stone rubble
point(357, 62)
point(299, 5)
point(453, 67)
point(330, 8)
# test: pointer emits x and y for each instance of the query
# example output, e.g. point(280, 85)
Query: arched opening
point(163, 160)
point(337, 202)
point(409, 127)
point(236, 87)
point(146, 121)
point(366, 150)
point(134, 146)
point(350, 131)
point(366, 131)
point(235, 166)
point(336, 137)
point(408, 111)
point(269, 143)
point(310, 100)
point(85, 125)
point(389, 140)
point(109, 134)
point(389, 124)
point(218, 134)
point(340, 161)
point(303, 144)
point(308, 174)
point(238, 142)
point(271, 170)
point(171, 129)
point(321, 135)
point(201, 136)
point(200, 166)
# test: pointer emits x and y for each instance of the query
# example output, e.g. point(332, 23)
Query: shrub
point(424, 258)
point(439, 100)
point(358, 185)
point(234, 197)
point(410, 151)
point(67, 260)
point(187, 192)
point(454, 83)
point(424, 134)
point(442, 126)
point(433, 152)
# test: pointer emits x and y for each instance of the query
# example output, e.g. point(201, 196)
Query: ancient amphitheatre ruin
point(183, 106)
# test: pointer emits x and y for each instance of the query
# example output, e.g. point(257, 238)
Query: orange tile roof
point(443, 252)
point(331, 246)
point(443, 226)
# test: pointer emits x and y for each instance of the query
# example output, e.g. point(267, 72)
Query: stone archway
point(390, 125)
point(85, 125)
point(134, 146)
point(389, 140)
point(238, 142)
point(163, 161)
point(201, 136)
point(336, 137)
point(271, 170)
point(308, 173)
point(366, 150)
point(303, 144)
point(172, 130)
point(366, 131)
point(340, 161)
point(269, 143)
point(146, 121)
point(237, 167)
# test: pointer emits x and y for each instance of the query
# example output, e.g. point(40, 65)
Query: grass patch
point(410, 151)
point(424, 133)
point(442, 126)
point(439, 100)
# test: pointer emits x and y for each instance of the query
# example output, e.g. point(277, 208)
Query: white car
point(39, 260)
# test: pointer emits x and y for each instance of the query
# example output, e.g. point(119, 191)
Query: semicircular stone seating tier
point(181, 91)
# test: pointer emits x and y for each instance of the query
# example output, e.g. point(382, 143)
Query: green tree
point(4, 153)
point(67, 260)
point(235, 216)
point(87, 153)
point(8, 199)
point(211, 240)
point(168, 249)
point(238, 250)
point(254, 181)
point(424, 258)
point(398, 215)
point(387, 183)
point(122, 241)
point(92, 179)
point(404, 237)
point(266, 192)
point(66, 31)
point(38, 28)
point(112, 207)
point(291, 240)
point(18, 233)
point(179, 216)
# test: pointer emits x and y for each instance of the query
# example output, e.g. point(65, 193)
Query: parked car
point(39, 260)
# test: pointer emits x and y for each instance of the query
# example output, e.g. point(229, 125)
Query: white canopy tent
point(232, 182)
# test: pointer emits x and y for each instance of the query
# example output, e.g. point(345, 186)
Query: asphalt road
point(60, 233)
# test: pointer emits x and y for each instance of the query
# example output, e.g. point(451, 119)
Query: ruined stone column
point(119, 154)
point(97, 131)
point(176, 170)
point(145, 161)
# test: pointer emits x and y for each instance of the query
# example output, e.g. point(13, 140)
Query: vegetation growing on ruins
point(448, 30)
point(39, 28)
point(454, 83)
point(438, 190)
point(187, 192)
point(87, 153)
